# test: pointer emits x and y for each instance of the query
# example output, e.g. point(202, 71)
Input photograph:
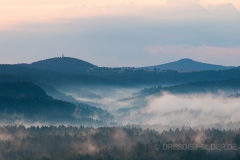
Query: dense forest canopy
point(74, 143)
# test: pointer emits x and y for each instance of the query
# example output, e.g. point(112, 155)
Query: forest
point(68, 109)
point(25, 101)
point(76, 143)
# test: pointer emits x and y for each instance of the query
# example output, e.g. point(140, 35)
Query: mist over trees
point(73, 143)
point(69, 109)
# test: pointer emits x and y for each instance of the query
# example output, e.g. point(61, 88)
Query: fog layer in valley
point(166, 108)
point(193, 110)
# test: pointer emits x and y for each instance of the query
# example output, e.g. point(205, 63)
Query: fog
point(166, 109)
point(185, 110)
point(109, 97)
point(162, 111)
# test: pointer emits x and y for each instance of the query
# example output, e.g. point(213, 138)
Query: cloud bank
point(186, 110)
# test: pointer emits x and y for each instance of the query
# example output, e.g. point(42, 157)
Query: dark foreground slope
point(30, 100)
point(26, 101)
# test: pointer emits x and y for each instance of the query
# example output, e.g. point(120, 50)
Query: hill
point(188, 65)
point(65, 73)
point(26, 101)
point(63, 64)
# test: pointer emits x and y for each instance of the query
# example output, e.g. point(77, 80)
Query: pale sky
point(120, 33)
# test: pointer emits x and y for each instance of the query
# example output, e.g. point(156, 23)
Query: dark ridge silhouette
point(63, 64)
point(28, 99)
point(65, 72)
point(188, 65)
point(21, 89)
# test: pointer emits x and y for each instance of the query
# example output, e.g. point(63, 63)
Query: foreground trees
point(75, 143)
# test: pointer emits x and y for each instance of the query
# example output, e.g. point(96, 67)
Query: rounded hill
point(63, 64)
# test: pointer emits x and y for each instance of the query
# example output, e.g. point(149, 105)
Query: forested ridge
point(68, 73)
point(28, 101)
point(195, 87)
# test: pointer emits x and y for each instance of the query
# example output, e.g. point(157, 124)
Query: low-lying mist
point(108, 97)
point(167, 109)
point(111, 106)
point(185, 110)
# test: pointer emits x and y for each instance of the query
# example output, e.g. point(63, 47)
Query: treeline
point(75, 143)
point(121, 77)
point(229, 85)
point(143, 77)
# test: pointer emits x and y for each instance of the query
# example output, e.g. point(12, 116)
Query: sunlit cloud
point(123, 31)
point(25, 11)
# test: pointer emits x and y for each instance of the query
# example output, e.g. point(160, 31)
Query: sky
point(117, 33)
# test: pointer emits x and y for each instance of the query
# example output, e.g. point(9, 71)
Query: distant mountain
point(71, 72)
point(188, 65)
point(62, 64)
